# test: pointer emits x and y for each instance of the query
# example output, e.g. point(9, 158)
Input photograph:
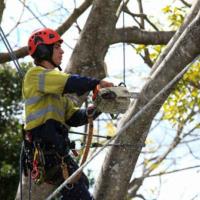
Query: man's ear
point(43, 52)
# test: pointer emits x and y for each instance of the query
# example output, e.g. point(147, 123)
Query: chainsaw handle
point(95, 92)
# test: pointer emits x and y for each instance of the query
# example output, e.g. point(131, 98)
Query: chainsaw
point(113, 100)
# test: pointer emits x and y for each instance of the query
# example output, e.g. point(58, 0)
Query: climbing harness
point(38, 171)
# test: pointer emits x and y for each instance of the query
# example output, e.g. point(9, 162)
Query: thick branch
point(128, 35)
point(138, 36)
point(20, 53)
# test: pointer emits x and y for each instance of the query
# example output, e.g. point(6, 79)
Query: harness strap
point(38, 172)
point(64, 169)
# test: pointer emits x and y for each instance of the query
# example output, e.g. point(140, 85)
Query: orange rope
point(89, 140)
point(87, 148)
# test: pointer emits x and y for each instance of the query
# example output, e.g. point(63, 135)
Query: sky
point(180, 186)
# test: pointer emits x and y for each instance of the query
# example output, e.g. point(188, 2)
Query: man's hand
point(104, 84)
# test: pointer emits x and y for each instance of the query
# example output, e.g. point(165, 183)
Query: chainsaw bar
point(134, 95)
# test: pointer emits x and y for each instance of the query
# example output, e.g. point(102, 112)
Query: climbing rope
point(122, 129)
point(124, 48)
point(89, 139)
point(17, 65)
point(21, 169)
point(11, 53)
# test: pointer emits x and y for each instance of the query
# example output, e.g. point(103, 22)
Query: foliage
point(175, 15)
point(154, 51)
point(184, 101)
point(10, 130)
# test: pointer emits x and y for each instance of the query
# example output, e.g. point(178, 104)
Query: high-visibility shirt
point(43, 94)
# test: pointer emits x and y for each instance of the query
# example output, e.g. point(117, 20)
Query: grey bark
point(36, 193)
point(119, 164)
point(139, 36)
point(89, 52)
point(2, 6)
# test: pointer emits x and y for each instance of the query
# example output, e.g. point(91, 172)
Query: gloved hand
point(102, 84)
point(92, 111)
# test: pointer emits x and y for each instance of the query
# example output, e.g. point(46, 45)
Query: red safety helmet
point(42, 36)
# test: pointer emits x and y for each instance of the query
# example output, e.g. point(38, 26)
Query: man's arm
point(81, 84)
point(80, 117)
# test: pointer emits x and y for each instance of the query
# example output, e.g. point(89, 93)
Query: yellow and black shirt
point(43, 91)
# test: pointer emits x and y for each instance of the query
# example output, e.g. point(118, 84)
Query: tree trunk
point(33, 191)
point(88, 55)
point(119, 164)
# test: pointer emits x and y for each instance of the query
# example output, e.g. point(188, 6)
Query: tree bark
point(89, 52)
point(139, 36)
point(2, 6)
point(35, 192)
point(119, 164)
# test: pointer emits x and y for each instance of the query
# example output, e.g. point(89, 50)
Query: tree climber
point(49, 113)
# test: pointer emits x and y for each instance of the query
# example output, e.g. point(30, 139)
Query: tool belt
point(46, 162)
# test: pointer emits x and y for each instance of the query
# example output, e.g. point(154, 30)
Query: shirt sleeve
point(80, 84)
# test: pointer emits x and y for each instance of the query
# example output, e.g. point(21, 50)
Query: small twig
point(186, 3)
point(144, 16)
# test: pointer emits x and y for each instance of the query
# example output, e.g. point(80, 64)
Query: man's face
point(57, 53)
